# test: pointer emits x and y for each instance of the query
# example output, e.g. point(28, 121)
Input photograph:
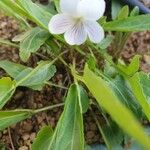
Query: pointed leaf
point(68, 134)
point(83, 98)
point(115, 8)
point(36, 78)
point(139, 94)
point(132, 68)
point(129, 24)
point(124, 12)
point(13, 69)
point(29, 77)
point(7, 88)
point(32, 42)
point(125, 95)
point(37, 14)
point(8, 118)
point(119, 113)
point(12, 7)
point(43, 138)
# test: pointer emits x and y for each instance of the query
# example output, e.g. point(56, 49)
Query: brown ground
point(22, 134)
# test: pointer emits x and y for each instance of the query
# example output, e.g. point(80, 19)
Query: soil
point(21, 135)
point(146, 3)
point(138, 43)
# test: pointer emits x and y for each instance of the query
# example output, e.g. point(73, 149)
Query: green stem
point(101, 130)
point(64, 62)
point(120, 46)
point(56, 85)
point(47, 108)
point(2, 41)
point(106, 56)
point(78, 49)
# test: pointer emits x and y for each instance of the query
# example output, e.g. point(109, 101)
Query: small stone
point(39, 119)
point(25, 137)
point(19, 95)
point(28, 142)
point(93, 127)
point(32, 136)
point(43, 124)
point(147, 2)
point(23, 148)
point(40, 105)
point(27, 127)
point(90, 134)
point(5, 132)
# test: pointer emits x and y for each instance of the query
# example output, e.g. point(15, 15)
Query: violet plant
point(115, 88)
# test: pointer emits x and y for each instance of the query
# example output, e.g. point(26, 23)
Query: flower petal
point(69, 6)
point(76, 35)
point(91, 9)
point(60, 23)
point(95, 31)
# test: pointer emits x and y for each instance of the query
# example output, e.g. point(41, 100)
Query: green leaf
point(7, 88)
point(20, 37)
point(83, 98)
point(125, 95)
point(115, 8)
point(68, 134)
point(134, 23)
point(109, 70)
point(124, 12)
point(135, 11)
point(37, 14)
point(139, 94)
point(13, 69)
point(29, 77)
point(36, 78)
point(91, 62)
point(105, 42)
point(12, 7)
point(132, 68)
point(7, 9)
point(43, 138)
point(57, 5)
point(133, 77)
point(132, 144)
point(113, 134)
point(32, 42)
point(8, 118)
point(119, 113)
point(145, 83)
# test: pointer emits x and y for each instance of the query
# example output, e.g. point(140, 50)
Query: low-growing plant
point(116, 89)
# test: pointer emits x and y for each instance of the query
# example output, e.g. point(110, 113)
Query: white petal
point(91, 9)
point(95, 31)
point(76, 35)
point(60, 23)
point(69, 6)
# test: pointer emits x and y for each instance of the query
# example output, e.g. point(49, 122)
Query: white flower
point(78, 20)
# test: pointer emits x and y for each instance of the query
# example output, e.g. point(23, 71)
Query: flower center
point(78, 20)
